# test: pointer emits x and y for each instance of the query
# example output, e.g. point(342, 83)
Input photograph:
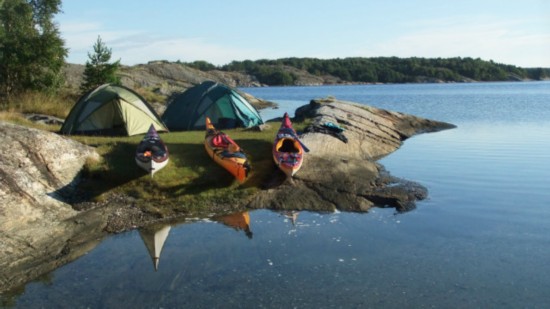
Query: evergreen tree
point(32, 53)
point(98, 70)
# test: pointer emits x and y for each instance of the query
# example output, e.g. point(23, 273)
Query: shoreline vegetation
point(290, 71)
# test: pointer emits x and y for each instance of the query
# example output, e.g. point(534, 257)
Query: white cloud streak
point(133, 47)
point(508, 42)
point(498, 41)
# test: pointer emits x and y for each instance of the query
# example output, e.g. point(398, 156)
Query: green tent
point(111, 110)
point(225, 107)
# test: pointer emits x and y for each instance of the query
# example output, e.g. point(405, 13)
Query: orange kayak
point(224, 151)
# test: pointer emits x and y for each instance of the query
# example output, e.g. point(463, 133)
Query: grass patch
point(19, 119)
point(150, 95)
point(42, 103)
point(191, 181)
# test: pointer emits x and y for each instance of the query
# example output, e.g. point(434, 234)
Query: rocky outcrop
point(340, 171)
point(40, 231)
point(37, 169)
point(167, 79)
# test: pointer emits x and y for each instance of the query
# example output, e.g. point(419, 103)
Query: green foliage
point(538, 73)
point(32, 53)
point(200, 65)
point(385, 69)
point(37, 102)
point(268, 72)
point(98, 70)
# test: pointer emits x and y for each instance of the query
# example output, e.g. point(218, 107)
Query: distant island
point(307, 71)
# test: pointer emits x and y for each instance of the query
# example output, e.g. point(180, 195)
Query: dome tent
point(225, 107)
point(111, 110)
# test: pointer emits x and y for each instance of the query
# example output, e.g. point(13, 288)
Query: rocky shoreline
point(42, 230)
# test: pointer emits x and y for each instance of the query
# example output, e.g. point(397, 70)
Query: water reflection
point(292, 216)
point(240, 221)
point(154, 237)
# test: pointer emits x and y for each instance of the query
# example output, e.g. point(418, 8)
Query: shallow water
point(481, 239)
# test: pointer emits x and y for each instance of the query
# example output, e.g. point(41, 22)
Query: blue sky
point(219, 31)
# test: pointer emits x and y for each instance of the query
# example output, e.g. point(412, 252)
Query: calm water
point(481, 239)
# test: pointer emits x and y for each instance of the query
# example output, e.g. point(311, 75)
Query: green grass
point(19, 119)
point(190, 182)
point(41, 103)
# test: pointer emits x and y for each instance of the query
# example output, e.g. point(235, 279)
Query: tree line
point(379, 69)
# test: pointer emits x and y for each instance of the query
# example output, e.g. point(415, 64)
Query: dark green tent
point(225, 107)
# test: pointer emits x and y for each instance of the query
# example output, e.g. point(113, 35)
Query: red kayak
point(288, 151)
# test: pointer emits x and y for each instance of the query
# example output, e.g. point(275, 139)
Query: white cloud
point(502, 42)
point(81, 37)
point(521, 42)
point(133, 47)
point(133, 51)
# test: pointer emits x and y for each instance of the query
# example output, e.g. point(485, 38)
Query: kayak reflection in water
point(239, 221)
point(292, 215)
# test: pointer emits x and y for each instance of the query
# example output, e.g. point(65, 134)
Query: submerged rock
point(340, 171)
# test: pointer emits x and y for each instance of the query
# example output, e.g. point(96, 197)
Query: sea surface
point(480, 240)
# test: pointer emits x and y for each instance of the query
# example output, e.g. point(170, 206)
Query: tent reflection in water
point(153, 237)
point(240, 221)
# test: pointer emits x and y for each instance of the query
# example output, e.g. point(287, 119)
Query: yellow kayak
point(224, 151)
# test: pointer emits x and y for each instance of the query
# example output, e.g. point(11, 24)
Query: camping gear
point(151, 153)
point(288, 150)
point(111, 110)
point(225, 107)
point(332, 126)
point(226, 152)
point(153, 237)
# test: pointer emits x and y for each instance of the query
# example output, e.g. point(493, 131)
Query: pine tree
point(98, 70)
point(32, 53)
